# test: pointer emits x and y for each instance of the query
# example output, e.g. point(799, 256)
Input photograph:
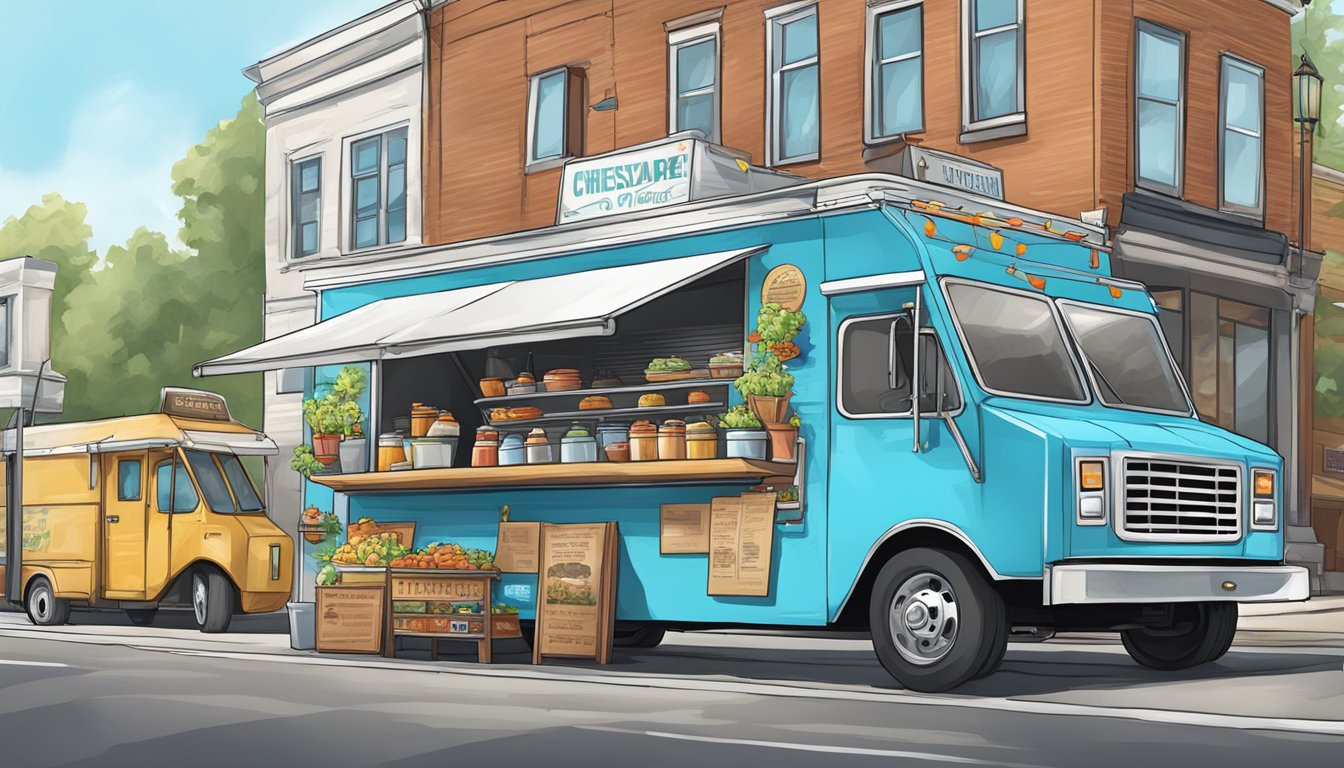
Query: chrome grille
point(1181, 501)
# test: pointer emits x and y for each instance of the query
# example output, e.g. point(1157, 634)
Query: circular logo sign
point(785, 286)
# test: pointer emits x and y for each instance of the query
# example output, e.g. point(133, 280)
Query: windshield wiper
point(1102, 378)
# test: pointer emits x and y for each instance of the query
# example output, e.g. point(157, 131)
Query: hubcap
point(42, 605)
point(924, 618)
point(198, 594)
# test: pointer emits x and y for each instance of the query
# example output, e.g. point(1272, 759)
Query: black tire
point(142, 617)
point(44, 608)
point(212, 601)
point(931, 656)
point(998, 649)
point(647, 636)
point(1210, 628)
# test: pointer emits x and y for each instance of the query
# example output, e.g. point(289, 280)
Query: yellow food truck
point(148, 511)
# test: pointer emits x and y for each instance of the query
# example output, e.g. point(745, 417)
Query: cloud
point(122, 144)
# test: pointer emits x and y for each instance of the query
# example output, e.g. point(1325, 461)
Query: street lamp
point(1307, 83)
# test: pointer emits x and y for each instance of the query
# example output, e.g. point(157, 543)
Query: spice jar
point(578, 445)
point(485, 452)
point(422, 417)
point(643, 441)
point(390, 451)
point(701, 442)
point(538, 447)
point(672, 440)
point(444, 426)
point(512, 451)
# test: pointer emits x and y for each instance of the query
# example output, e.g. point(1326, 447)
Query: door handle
point(114, 518)
point(213, 535)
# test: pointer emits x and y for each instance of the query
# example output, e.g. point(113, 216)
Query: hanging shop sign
point(518, 547)
point(784, 285)
point(952, 171)
point(622, 183)
point(741, 542)
point(684, 529)
point(576, 612)
point(350, 618)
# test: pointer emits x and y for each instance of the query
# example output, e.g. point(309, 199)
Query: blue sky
point(100, 98)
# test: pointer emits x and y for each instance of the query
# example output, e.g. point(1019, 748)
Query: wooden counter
point(705, 471)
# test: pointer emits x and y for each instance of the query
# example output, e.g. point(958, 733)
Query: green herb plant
point(739, 417)
point(304, 462)
point(332, 415)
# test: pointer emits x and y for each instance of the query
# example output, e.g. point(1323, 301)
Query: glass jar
point(538, 447)
point(672, 440)
point(422, 417)
point(578, 445)
point(612, 433)
point(512, 451)
point(701, 441)
point(485, 452)
point(643, 441)
point(390, 451)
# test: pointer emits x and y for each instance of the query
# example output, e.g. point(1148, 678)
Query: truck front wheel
point(936, 622)
point(44, 608)
point(1200, 633)
point(212, 601)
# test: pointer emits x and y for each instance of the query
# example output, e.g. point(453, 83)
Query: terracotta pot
point(770, 410)
point(327, 448)
point(783, 443)
point(314, 537)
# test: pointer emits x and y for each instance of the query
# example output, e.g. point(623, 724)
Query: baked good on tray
point(652, 400)
point(595, 403)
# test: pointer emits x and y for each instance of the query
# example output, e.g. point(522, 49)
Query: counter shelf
point(599, 473)
point(602, 414)
point(632, 389)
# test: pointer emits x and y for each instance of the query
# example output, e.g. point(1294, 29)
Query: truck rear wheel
point(936, 622)
point(44, 608)
point(212, 601)
point(1203, 634)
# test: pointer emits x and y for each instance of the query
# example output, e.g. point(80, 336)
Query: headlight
point(1090, 476)
point(1264, 507)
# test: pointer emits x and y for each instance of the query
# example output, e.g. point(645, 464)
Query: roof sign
point(194, 404)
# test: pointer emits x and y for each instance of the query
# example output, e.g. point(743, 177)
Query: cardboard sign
point(350, 618)
point(741, 543)
point(518, 548)
point(576, 610)
point(784, 285)
point(684, 529)
point(461, 590)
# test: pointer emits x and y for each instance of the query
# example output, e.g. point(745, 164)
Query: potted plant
point(349, 386)
point(765, 384)
point(317, 527)
point(329, 418)
point(304, 462)
point(784, 439)
point(743, 433)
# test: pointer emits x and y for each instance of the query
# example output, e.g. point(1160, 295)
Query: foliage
point(331, 415)
point(765, 378)
point(739, 417)
point(1329, 350)
point(777, 325)
point(350, 383)
point(772, 344)
point(304, 462)
point(795, 422)
point(141, 318)
point(1316, 31)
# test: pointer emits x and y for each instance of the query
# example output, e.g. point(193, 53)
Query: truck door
point(124, 525)
point(877, 478)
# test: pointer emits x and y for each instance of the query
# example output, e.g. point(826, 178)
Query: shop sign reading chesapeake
point(635, 181)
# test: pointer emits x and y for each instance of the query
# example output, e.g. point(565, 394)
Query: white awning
point(515, 312)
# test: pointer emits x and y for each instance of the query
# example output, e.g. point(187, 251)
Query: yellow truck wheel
point(212, 600)
point(44, 608)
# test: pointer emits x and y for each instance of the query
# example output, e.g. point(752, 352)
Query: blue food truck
point(992, 442)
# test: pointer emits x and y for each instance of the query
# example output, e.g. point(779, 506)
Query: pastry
point(697, 397)
point(594, 403)
point(652, 400)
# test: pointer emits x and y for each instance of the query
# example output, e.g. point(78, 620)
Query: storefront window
point(1171, 316)
point(1229, 364)
point(1329, 385)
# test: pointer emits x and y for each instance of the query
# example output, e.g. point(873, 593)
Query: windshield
point(1015, 343)
point(1125, 356)
point(211, 481)
point(243, 490)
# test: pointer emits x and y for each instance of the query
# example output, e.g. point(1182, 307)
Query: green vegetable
point(795, 422)
point(739, 417)
point(304, 462)
point(668, 364)
point(327, 575)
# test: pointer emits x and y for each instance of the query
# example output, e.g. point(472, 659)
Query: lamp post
point(1307, 84)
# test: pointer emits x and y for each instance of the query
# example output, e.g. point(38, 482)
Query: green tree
point(1318, 32)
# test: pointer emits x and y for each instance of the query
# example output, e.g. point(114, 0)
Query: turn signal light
point(1264, 484)
point(1091, 475)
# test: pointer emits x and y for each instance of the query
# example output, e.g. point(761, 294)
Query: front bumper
point(1132, 583)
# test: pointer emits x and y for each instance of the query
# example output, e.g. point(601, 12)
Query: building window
point(793, 116)
point(306, 202)
point(895, 83)
point(693, 80)
point(378, 189)
point(1230, 364)
point(128, 480)
point(1240, 106)
point(993, 78)
point(4, 332)
point(1159, 107)
point(554, 115)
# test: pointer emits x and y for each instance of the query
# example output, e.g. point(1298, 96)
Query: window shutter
point(576, 111)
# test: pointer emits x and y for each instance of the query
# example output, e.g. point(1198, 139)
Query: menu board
point(576, 610)
point(350, 618)
point(685, 529)
point(518, 547)
point(741, 541)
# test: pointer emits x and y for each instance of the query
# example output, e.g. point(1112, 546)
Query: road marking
point(829, 750)
point(19, 663)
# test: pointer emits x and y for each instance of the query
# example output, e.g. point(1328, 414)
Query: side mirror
point(896, 375)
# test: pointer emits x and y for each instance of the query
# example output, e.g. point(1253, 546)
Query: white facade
point(322, 97)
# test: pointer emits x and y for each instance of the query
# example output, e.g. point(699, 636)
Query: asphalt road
point(103, 700)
